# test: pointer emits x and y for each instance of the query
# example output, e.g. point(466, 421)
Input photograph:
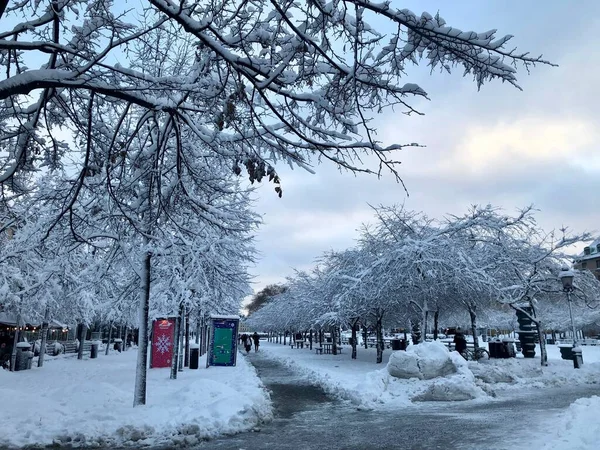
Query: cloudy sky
point(501, 146)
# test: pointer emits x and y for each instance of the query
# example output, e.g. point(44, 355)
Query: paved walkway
point(306, 418)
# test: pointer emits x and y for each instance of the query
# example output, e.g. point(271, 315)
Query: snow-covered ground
point(577, 428)
point(89, 403)
point(369, 385)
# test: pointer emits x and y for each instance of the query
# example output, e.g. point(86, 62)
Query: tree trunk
point(365, 343)
point(176, 346)
point(284, 337)
point(354, 338)
point(110, 327)
point(202, 336)
point(13, 355)
point(333, 340)
point(542, 339)
point(139, 394)
point(425, 316)
point(321, 338)
point(473, 317)
point(415, 334)
point(125, 335)
point(436, 324)
point(182, 325)
point(379, 335)
point(44, 337)
point(310, 339)
point(81, 340)
point(186, 361)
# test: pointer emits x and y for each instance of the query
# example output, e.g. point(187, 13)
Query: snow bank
point(457, 387)
point(424, 361)
point(89, 403)
point(367, 385)
point(577, 428)
point(519, 373)
point(451, 378)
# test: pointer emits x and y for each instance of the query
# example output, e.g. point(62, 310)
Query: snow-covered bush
point(58, 349)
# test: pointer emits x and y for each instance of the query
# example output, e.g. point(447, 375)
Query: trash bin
point(566, 352)
point(118, 345)
point(577, 357)
point(508, 348)
point(194, 355)
point(494, 347)
point(403, 344)
point(94, 349)
point(24, 356)
point(395, 344)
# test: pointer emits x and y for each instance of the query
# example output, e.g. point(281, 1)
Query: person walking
point(247, 342)
point(256, 339)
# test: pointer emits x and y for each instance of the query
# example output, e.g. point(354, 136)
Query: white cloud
point(499, 147)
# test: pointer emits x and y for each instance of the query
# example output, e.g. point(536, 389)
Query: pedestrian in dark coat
point(256, 339)
point(460, 343)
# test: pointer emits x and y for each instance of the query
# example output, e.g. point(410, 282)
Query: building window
point(598, 264)
point(584, 265)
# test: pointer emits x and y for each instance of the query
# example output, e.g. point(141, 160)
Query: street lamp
point(566, 276)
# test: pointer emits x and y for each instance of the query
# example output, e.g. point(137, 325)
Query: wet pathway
point(307, 418)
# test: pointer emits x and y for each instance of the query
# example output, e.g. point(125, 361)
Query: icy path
point(306, 418)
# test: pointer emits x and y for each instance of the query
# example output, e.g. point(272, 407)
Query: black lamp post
point(566, 277)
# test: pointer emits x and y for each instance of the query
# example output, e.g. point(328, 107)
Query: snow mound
point(459, 386)
point(451, 378)
point(577, 428)
point(423, 361)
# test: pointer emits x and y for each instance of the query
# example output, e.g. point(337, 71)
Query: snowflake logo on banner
point(163, 343)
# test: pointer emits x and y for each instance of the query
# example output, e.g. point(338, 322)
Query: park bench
point(71, 346)
point(319, 350)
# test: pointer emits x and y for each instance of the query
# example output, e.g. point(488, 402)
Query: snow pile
point(424, 361)
point(89, 403)
point(361, 382)
point(577, 428)
point(451, 379)
point(519, 373)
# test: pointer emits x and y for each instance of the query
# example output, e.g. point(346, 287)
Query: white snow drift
point(89, 403)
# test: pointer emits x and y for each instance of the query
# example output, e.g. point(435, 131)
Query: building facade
point(590, 258)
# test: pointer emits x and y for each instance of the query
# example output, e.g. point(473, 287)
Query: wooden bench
point(71, 346)
point(319, 350)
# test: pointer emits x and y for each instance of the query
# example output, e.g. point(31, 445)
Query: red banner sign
point(162, 343)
